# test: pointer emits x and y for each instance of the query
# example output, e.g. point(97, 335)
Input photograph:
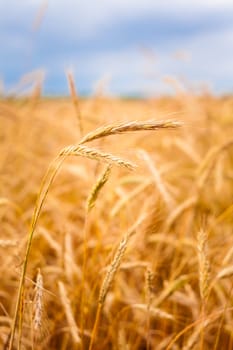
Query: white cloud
point(211, 52)
point(210, 62)
point(87, 18)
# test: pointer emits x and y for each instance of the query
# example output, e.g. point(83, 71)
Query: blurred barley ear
point(38, 302)
point(75, 101)
point(149, 281)
point(38, 308)
point(204, 264)
point(69, 314)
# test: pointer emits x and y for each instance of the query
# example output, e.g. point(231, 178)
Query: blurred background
point(120, 47)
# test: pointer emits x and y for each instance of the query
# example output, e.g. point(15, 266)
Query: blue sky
point(125, 47)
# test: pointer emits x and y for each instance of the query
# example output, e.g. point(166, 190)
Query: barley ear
point(97, 188)
point(204, 264)
point(38, 303)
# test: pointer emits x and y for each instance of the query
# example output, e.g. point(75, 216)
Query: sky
point(117, 47)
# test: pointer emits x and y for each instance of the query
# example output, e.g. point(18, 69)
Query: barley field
point(116, 223)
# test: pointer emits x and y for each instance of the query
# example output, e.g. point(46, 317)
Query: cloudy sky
point(125, 47)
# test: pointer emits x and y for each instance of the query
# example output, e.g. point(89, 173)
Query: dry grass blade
point(196, 335)
point(179, 210)
point(209, 162)
point(92, 153)
point(171, 288)
point(154, 312)
point(130, 127)
point(69, 315)
point(131, 196)
point(170, 240)
point(226, 272)
point(160, 185)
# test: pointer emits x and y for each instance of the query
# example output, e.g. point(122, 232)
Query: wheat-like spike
point(38, 303)
point(204, 264)
point(115, 264)
point(129, 127)
point(97, 187)
point(171, 288)
point(179, 210)
point(69, 315)
point(93, 153)
point(149, 280)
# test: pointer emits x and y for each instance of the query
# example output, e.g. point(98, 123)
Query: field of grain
point(121, 239)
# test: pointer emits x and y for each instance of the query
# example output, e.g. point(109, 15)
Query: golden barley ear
point(95, 154)
point(204, 264)
point(97, 187)
point(133, 126)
